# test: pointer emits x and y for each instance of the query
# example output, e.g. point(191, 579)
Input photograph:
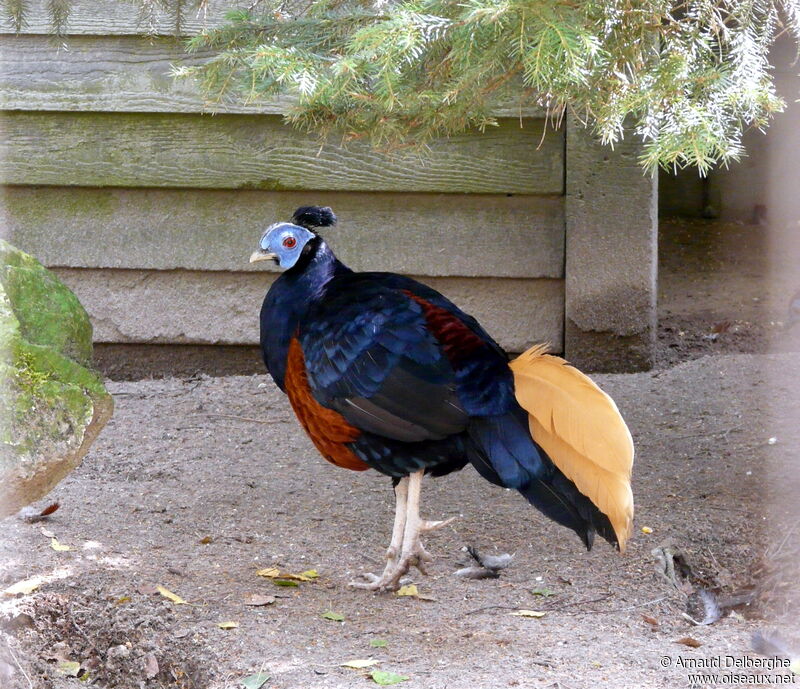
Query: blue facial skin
point(282, 242)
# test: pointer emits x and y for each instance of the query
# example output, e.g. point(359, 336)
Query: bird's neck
point(308, 278)
point(290, 298)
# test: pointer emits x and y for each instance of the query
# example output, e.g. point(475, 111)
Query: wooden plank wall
point(148, 204)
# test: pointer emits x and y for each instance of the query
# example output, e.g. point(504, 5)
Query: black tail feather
point(504, 453)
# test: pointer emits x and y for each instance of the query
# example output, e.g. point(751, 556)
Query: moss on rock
point(47, 312)
point(53, 405)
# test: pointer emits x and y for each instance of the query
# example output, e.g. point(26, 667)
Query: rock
point(119, 651)
point(52, 404)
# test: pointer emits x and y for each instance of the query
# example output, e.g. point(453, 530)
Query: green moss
point(27, 376)
point(48, 313)
point(59, 367)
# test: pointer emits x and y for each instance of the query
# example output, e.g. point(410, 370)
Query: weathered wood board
point(260, 152)
point(119, 17)
point(124, 74)
point(423, 234)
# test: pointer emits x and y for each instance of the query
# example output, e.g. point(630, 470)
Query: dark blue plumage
point(421, 382)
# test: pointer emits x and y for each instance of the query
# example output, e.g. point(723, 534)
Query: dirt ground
point(198, 482)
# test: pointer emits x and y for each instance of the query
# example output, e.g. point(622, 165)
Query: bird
point(385, 373)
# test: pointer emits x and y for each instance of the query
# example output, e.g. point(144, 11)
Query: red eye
point(289, 242)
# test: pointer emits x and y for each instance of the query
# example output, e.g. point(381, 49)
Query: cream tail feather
point(580, 428)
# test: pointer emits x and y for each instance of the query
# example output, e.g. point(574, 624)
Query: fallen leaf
point(275, 573)
point(150, 666)
point(528, 613)
point(285, 582)
point(647, 530)
point(378, 643)
point(257, 600)
point(300, 577)
point(58, 547)
point(70, 668)
point(689, 641)
point(24, 587)
point(335, 616)
point(170, 596)
point(205, 540)
point(411, 590)
point(545, 593)
point(386, 678)
point(122, 599)
point(255, 681)
point(650, 620)
point(228, 625)
point(360, 663)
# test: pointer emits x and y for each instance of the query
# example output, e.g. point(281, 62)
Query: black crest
point(312, 217)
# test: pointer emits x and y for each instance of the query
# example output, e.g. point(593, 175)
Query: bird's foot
point(414, 555)
point(373, 582)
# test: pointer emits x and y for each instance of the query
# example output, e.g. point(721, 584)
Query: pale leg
point(413, 553)
point(406, 541)
point(373, 581)
point(400, 511)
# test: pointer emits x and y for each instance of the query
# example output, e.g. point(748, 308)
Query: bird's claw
point(392, 577)
point(380, 584)
point(426, 525)
point(371, 581)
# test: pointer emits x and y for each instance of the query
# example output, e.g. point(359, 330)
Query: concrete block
point(208, 307)
point(611, 255)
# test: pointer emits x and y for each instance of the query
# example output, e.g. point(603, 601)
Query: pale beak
point(260, 255)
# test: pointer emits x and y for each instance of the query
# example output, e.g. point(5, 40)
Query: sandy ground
point(198, 482)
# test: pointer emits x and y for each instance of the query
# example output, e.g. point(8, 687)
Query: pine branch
point(686, 76)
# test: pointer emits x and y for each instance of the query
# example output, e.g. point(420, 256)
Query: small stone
point(121, 651)
point(150, 666)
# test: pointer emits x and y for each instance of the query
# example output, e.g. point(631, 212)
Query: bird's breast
point(329, 431)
